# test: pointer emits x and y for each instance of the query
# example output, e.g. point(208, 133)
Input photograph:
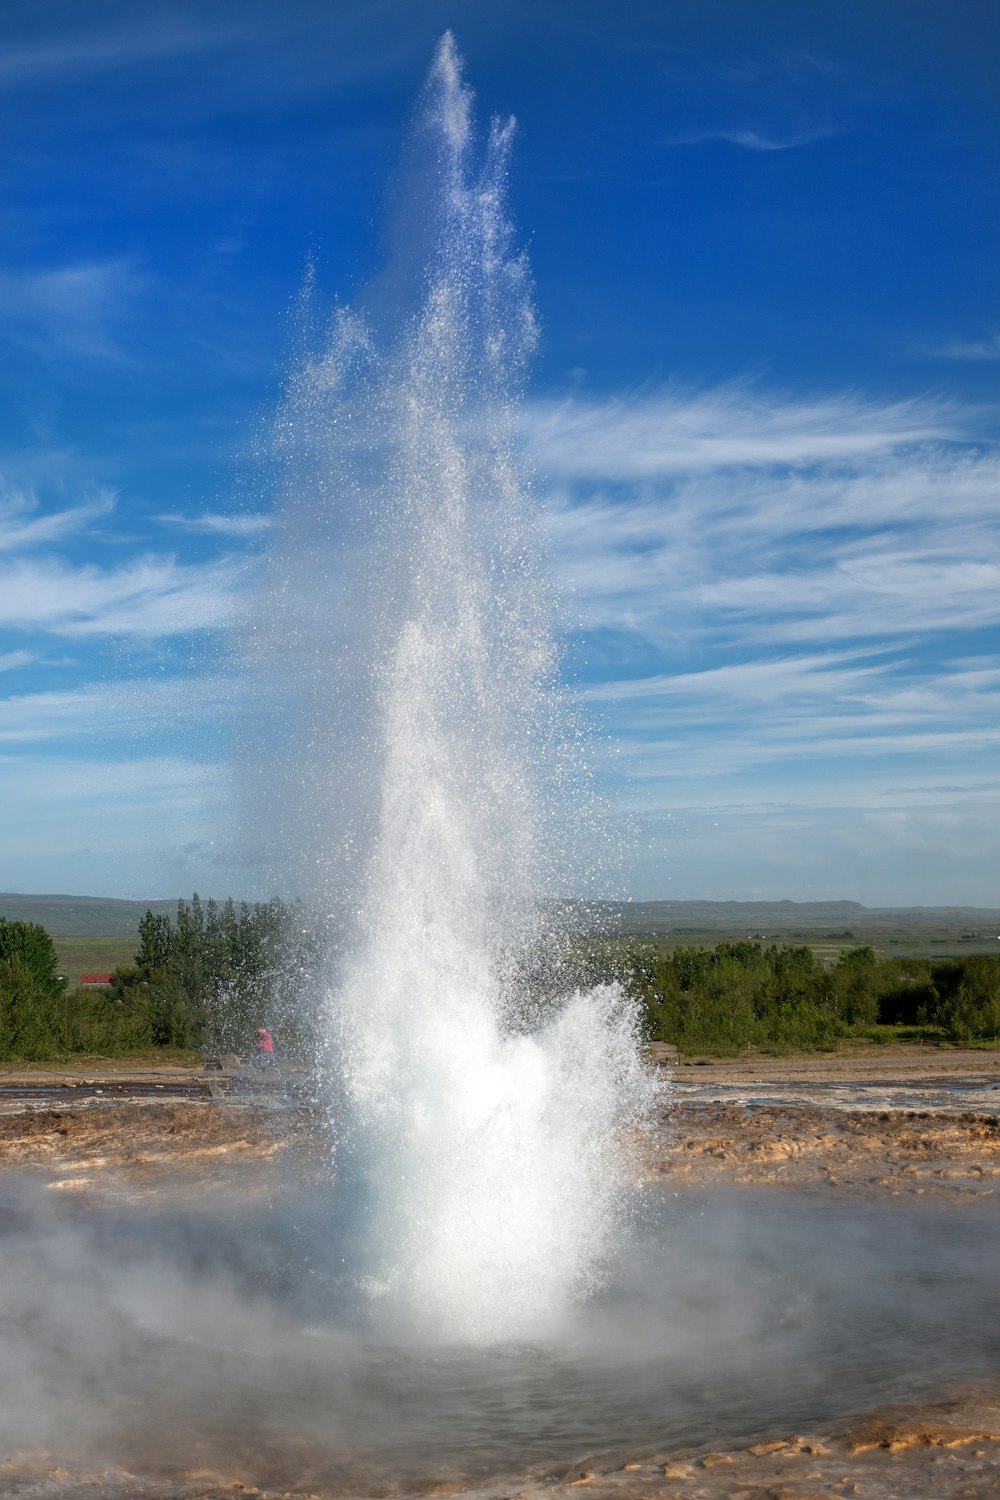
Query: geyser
point(406, 636)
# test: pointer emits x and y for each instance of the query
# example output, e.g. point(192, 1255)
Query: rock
point(897, 1437)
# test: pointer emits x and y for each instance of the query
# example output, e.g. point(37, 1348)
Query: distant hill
point(81, 916)
point(105, 916)
point(774, 917)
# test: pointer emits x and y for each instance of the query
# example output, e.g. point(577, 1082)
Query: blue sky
point(764, 238)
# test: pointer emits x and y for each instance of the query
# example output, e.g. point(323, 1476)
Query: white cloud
point(10, 661)
point(146, 597)
point(218, 525)
point(93, 50)
point(808, 732)
point(987, 348)
point(81, 310)
point(738, 517)
point(66, 780)
point(797, 604)
point(911, 846)
point(757, 681)
point(672, 433)
point(135, 709)
point(750, 140)
point(193, 60)
point(23, 524)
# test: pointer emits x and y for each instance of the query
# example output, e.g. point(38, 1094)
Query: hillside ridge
point(109, 916)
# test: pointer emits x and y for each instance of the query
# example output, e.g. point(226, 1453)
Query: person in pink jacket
point(263, 1051)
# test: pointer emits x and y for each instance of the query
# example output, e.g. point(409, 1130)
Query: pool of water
point(200, 1336)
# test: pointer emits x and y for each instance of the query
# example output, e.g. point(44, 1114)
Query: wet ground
point(808, 1306)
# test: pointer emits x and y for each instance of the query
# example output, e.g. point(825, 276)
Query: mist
point(196, 1336)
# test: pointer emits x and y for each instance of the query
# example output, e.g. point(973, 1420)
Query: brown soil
point(721, 1126)
point(916, 1152)
point(914, 1120)
point(145, 1150)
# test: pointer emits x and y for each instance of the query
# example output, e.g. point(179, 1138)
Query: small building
point(94, 979)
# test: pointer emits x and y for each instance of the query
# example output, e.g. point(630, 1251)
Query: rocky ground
point(920, 1152)
point(145, 1150)
point(891, 1121)
point(914, 1122)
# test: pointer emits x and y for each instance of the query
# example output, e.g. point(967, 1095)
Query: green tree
point(31, 944)
point(29, 1025)
point(853, 988)
point(972, 1012)
point(155, 943)
point(109, 1022)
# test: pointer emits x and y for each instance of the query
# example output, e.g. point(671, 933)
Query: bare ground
point(914, 1121)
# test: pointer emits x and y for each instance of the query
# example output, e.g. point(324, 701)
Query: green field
point(81, 916)
point(93, 955)
point(908, 939)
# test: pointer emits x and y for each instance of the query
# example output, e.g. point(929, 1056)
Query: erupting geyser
point(481, 1137)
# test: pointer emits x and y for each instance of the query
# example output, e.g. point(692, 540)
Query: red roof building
point(95, 978)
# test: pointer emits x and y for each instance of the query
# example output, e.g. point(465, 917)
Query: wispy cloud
point(758, 681)
point(81, 310)
point(145, 597)
point(208, 60)
point(814, 706)
point(106, 711)
point(892, 842)
point(24, 524)
point(109, 817)
point(735, 516)
point(211, 524)
point(795, 600)
point(749, 140)
point(11, 661)
point(986, 348)
point(674, 432)
point(99, 49)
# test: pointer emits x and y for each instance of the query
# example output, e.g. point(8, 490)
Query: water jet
point(481, 1146)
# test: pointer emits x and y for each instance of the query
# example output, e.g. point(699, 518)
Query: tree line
point(208, 978)
point(739, 995)
point(218, 971)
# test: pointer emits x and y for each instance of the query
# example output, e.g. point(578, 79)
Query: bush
point(30, 992)
point(972, 1010)
point(100, 1021)
point(29, 1026)
point(740, 995)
